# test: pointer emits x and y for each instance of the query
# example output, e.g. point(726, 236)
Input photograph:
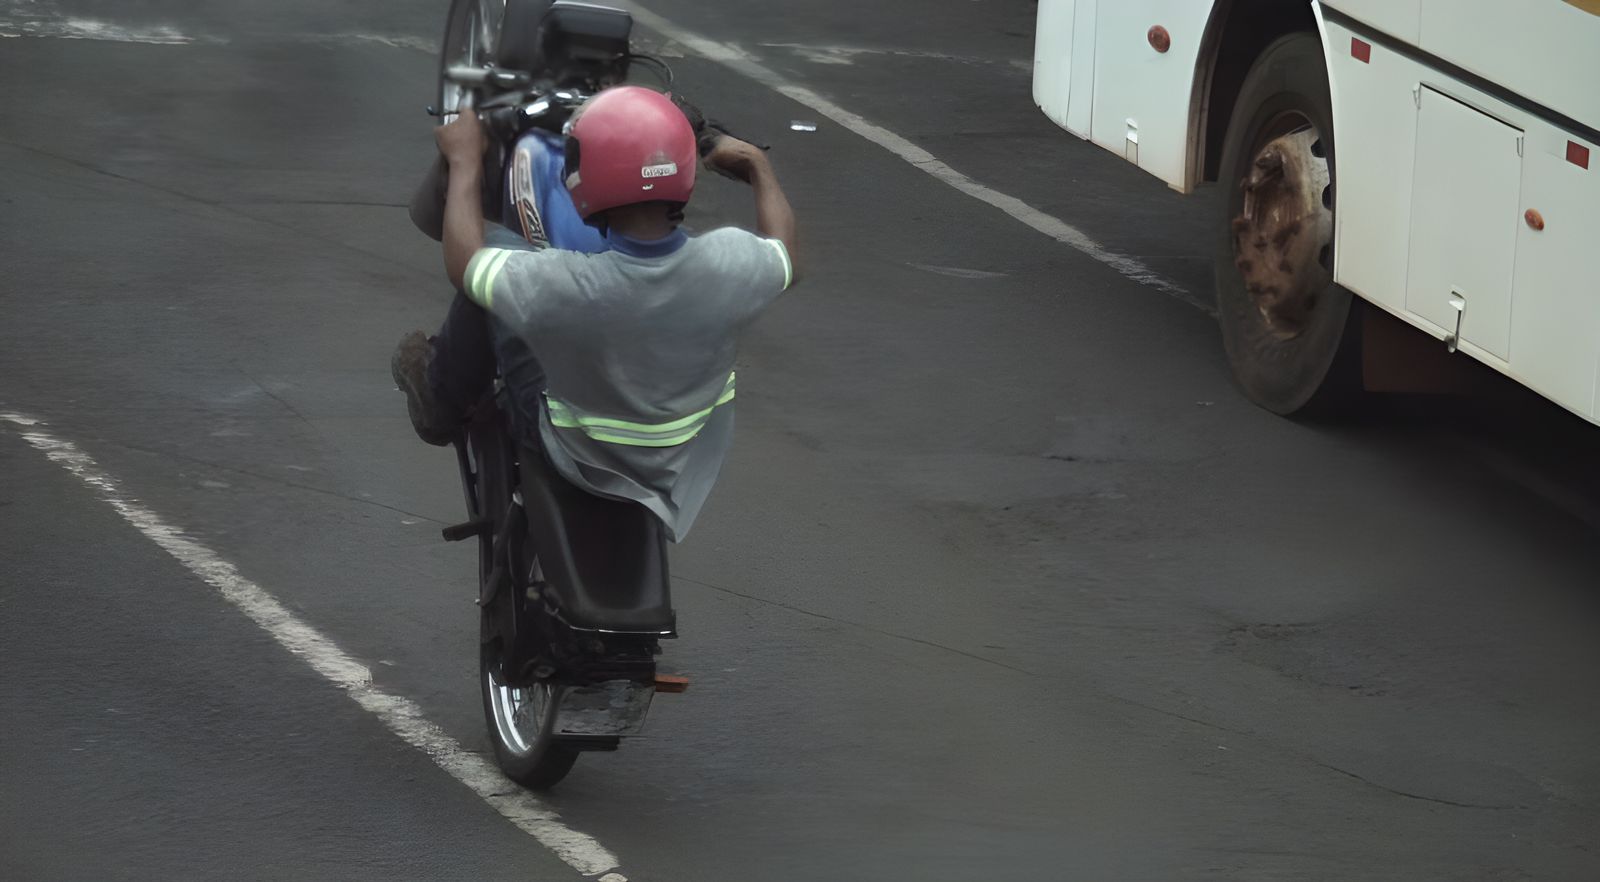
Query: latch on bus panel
point(1458, 301)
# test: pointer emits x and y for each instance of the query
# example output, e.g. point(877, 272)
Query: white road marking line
point(401, 715)
point(430, 45)
point(45, 21)
point(957, 272)
point(90, 29)
point(846, 55)
point(742, 63)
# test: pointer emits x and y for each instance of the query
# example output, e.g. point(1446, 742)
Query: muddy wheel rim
point(1283, 231)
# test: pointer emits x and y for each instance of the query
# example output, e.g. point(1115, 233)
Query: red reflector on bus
point(1361, 50)
point(1577, 154)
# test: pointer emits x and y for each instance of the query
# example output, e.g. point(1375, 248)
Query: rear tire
point(1292, 336)
point(528, 752)
point(521, 721)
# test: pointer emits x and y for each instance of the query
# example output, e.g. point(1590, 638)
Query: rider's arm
point(462, 143)
point(774, 217)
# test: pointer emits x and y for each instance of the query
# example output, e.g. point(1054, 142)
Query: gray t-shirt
point(637, 345)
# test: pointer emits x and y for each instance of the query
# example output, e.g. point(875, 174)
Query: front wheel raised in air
point(1291, 334)
point(471, 32)
point(522, 726)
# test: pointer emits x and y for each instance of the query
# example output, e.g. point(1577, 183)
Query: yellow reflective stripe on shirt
point(668, 434)
point(634, 441)
point(474, 272)
point(494, 270)
point(783, 254)
point(481, 273)
point(622, 432)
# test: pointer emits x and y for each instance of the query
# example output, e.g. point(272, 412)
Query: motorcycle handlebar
point(505, 123)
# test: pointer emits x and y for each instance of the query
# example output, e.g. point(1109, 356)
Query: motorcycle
point(573, 588)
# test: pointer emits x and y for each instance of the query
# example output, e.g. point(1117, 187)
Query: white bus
point(1437, 159)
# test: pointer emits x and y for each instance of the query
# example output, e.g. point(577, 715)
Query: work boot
point(409, 366)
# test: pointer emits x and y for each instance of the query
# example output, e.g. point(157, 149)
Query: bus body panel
point(1548, 335)
point(1141, 96)
point(1466, 192)
point(1555, 322)
point(1063, 63)
point(1401, 19)
point(1054, 34)
point(1375, 130)
point(1547, 51)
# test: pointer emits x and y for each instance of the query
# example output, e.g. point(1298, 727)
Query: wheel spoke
point(522, 717)
point(485, 35)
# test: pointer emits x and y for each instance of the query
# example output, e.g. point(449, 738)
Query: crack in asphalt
point(1112, 696)
point(358, 203)
point(270, 394)
point(273, 479)
point(387, 262)
point(879, 631)
point(1418, 796)
point(961, 652)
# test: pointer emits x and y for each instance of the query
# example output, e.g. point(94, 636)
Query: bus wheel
point(1291, 334)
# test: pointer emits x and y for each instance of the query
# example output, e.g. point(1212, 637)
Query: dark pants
point(463, 358)
point(468, 348)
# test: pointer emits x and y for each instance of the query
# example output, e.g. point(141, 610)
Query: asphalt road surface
point(1003, 580)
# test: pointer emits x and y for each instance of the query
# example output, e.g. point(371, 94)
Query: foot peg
point(468, 530)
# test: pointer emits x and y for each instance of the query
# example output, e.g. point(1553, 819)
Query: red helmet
point(627, 145)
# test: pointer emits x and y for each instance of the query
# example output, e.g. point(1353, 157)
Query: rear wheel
point(521, 719)
point(522, 726)
point(1291, 334)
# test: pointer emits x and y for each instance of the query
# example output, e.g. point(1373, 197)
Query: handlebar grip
point(707, 139)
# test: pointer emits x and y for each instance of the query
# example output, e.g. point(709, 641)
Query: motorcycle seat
point(604, 560)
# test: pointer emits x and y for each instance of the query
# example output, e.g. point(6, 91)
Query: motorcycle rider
point(620, 363)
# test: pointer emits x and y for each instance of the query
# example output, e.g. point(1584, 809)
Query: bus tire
point(1292, 336)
